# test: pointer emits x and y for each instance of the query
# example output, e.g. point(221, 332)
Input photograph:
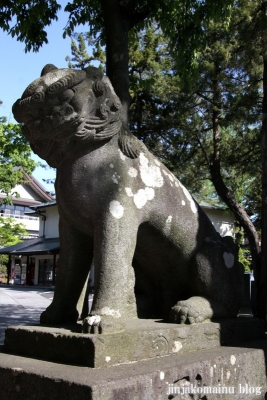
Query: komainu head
point(64, 109)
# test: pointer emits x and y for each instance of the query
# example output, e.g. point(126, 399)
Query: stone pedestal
point(234, 373)
point(148, 361)
point(143, 340)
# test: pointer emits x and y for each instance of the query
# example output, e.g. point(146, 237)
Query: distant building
point(222, 220)
point(41, 255)
point(32, 194)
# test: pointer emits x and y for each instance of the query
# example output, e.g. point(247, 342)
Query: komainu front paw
point(98, 324)
point(91, 324)
point(191, 311)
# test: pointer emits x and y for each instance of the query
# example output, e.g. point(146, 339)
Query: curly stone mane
point(56, 120)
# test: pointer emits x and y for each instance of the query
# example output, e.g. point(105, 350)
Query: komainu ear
point(129, 144)
point(48, 68)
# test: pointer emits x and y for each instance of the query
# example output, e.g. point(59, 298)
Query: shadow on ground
point(17, 316)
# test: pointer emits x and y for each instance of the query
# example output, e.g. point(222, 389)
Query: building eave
point(37, 187)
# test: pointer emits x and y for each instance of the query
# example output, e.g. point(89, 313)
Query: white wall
point(222, 221)
point(26, 192)
point(51, 223)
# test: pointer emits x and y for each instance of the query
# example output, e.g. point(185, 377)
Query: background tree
point(11, 233)
point(110, 21)
point(253, 36)
point(227, 97)
point(15, 155)
point(80, 57)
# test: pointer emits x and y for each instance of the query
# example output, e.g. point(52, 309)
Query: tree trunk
point(223, 191)
point(117, 26)
point(238, 211)
point(240, 215)
point(262, 279)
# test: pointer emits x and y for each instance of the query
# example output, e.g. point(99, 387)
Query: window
point(17, 214)
point(45, 272)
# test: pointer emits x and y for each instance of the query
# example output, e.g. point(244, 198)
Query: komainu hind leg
point(196, 309)
point(217, 281)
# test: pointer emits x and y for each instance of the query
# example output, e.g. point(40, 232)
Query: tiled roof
point(36, 246)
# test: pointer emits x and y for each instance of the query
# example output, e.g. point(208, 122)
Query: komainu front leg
point(76, 253)
point(114, 299)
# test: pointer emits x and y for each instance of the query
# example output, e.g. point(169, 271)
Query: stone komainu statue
point(156, 253)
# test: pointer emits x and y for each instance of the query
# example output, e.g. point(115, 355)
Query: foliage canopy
point(183, 22)
point(15, 155)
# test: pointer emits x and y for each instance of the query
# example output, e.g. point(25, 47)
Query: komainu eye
point(56, 112)
point(68, 110)
point(67, 95)
point(35, 113)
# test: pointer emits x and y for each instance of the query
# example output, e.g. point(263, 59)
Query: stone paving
point(21, 305)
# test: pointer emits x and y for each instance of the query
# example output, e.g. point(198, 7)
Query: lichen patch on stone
point(190, 198)
point(169, 219)
point(132, 172)
point(168, 225)
point(129, 192)
point(143, 196)
point(150, 193)
point(150, 175)
point(229, 259)
point(140, 198)
point(232, 359)
point(115, 178)
point(122, 156)
point(116, 209)
point(193, 206)
point(170, 176)
point(177, 346)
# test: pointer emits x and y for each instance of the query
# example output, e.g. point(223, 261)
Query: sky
point(18, 69)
